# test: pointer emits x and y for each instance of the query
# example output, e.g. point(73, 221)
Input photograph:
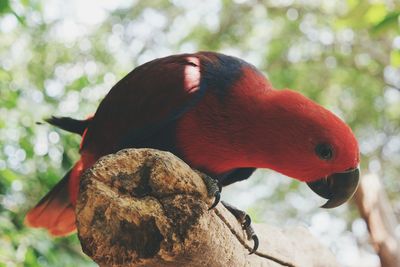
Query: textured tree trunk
point(375, 208)
point(143, 207)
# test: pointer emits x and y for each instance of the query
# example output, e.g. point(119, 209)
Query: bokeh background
point(61, 57)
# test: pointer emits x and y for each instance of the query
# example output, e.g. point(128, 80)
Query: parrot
point(220, 115)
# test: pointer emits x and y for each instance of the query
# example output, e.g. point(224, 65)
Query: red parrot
point(221, 116)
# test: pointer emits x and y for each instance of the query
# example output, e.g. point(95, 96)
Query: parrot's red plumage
point(220, 115)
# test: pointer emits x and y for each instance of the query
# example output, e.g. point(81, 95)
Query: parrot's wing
point(145, 101)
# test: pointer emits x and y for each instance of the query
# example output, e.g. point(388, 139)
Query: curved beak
point(336, 188)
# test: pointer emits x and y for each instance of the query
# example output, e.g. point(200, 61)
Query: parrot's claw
point(256, 243)
point(245, 221)
point(213, 189)
point(246, 225)
point(217, 197)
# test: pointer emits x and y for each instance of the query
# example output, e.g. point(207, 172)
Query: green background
point(61, 58)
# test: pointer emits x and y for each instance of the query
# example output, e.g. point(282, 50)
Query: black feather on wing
point(69, 124)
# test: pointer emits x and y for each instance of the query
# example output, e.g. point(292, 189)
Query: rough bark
point(375, 209)
point(142, 207)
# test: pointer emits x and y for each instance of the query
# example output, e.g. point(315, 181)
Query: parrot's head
point(314, 146)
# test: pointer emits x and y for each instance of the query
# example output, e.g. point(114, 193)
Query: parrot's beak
point(336, 188)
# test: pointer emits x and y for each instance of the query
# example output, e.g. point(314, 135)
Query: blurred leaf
point(355, 18)
point(31, 259)
point(8, 176)
point(353, 3)
point(376, 13)
point(4, 6)
point(79, 83)
point(390, 21)
point(395, 58)
point(26, 2)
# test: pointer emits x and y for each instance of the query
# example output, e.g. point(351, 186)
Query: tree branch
point(375, 209)
point(143, 207)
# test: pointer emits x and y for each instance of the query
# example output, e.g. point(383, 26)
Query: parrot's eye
point(324, 151)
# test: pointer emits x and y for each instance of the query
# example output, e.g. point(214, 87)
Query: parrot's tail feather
point(69, 124)
point(55, 211)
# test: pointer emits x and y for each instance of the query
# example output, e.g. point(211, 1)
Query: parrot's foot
point(245, 220)
point(213, 189)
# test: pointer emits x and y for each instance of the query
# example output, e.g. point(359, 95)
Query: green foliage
point(4, 6)
point(389, 22)
point(58, 58)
